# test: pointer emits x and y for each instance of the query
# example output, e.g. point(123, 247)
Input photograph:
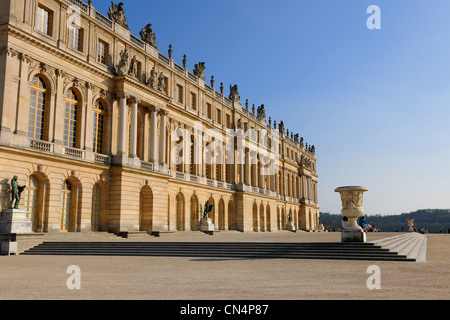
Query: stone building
point(93, 120)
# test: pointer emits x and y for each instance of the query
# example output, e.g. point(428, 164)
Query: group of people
point(362, 223)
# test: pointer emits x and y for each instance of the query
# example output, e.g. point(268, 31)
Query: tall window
point(193, 101)
point(99, 121)
point(66, 201)
point(103, 52)
point(219, 116)
point(75, 38)
point(44, 20)
point(208, 110)
point(179, 94)
point(37, 109)
point(31, 200)
point(70, 119)
point(96, 208)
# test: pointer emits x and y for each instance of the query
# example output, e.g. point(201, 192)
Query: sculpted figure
point(261, 113)
point(208, 209)
point(123, 63)
point(16, 193)
point(117, 14)
point(161, 82)
point(148, 36)
point(152, 80)
point(199, 70)
point(234, 93)
point(133, 68)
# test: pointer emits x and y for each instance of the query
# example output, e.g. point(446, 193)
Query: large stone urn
point(352, 198)
point(411, 225)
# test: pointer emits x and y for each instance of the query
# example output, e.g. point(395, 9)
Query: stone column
point(163, 137)
point(255, 172)
point(154, 134)
point(145, 147)
point(248, 166)
point(122, 123)
point(134, 119)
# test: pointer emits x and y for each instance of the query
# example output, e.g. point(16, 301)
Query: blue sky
point(375, 103)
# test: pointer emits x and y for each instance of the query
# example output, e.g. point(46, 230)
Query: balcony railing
point(101, 159)
point(40, 145)
point(74, 152)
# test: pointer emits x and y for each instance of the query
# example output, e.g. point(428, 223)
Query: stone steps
point(236, 250)
point(412, 245)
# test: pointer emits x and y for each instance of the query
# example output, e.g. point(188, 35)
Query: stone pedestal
point(291, 227)
point(15, 221)
point(354, 236)
point(206, 225)
point(352, 198)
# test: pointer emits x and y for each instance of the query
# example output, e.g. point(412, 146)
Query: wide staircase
point(229, 250)
point(412, 245)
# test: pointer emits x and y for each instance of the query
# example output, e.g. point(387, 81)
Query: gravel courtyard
point(107, 278)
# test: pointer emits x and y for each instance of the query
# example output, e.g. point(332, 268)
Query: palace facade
point(109, 134)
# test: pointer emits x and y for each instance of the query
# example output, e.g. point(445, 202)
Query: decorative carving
point(234, 94)
point(184, 61)
point(117, 15)
point(199, 70)
point(208, 209)
point(122, 67)
point(16, 193)
point(170, 52)
point(148, 36)
point(153, 78)
point(162, 83)
point(133, 72)
point(261, 113)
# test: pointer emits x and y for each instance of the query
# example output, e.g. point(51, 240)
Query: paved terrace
point(149, 278)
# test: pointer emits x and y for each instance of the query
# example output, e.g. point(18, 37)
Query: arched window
point(66, 203)
point(96, 195)
point(99, 125)
point(38, 98)
point(70, 119)
point(179, 212)
point(31, 200)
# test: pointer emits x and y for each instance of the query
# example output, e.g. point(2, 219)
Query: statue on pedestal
point(234, 94)
point(148, 36)
point(16, 193)
point(117, 14)
point(208, 209)
point(199, 70)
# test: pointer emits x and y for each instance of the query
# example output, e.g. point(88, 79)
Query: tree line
point(434, 220)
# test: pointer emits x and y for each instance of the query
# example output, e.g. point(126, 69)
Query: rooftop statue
point(261, 113)
point(16, 193)
point(234, 94)
point(199, 70)
point(117, 14)
point(148, 36)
